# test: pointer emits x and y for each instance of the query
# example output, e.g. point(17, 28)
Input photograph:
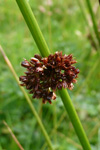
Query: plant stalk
point(13, 136)
point(33, 26)
point(93, 20)
point(74, 119)
point(27, 99)
point(39, 39)
point(80, 3)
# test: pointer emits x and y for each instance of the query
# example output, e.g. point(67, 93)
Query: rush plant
point(63, 77)
point(44, 50)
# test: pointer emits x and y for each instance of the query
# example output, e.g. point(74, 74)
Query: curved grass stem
point(27, 99)
point(39, 39)
point(13, 136)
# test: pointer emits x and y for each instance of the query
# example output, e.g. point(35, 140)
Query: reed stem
point(27, 99)
point(33, 26)
point(93, 20)
point(80, 3)
point(39, 39)
point(13, 136)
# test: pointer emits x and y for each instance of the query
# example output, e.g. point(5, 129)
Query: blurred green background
point(64, 28)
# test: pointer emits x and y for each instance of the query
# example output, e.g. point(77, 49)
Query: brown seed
point(25, 64)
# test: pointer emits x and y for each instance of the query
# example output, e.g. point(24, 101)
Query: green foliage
point(64, 30)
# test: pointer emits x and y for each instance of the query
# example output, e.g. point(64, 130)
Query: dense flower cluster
point(45, 75)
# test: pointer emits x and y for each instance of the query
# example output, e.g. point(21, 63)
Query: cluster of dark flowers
point(45, 75)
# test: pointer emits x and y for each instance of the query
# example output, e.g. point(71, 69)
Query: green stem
point(27, 99)
point(35, 31)
point(33, 26)
point(74, 119)
point(93, 20)
point(1, 148)
point(81, 87)
point(80, 3)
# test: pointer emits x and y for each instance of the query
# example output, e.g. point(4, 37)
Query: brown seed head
point(45, 75)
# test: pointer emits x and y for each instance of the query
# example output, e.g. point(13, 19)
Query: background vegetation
point(64, 28)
